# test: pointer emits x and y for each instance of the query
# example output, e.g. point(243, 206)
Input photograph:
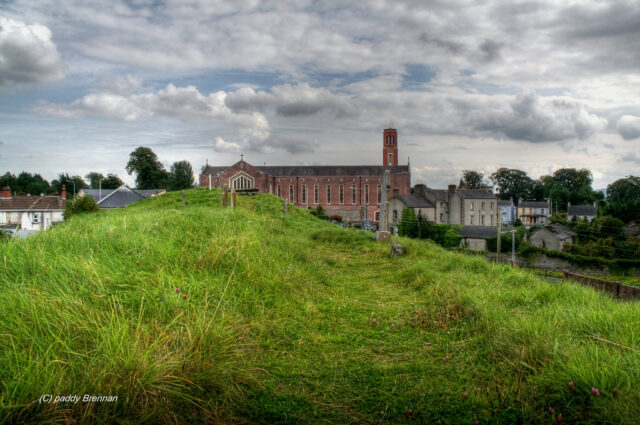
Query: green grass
point(278, 326)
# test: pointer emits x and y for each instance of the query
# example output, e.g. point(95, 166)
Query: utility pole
point(513, 247)
point(499, 235)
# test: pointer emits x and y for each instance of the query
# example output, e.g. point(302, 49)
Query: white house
point(31, 212)
point(508, 212)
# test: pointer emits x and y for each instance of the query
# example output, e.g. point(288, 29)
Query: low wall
point(541, 261)
point(617, 289)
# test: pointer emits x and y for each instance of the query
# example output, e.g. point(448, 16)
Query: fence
point(617, 289)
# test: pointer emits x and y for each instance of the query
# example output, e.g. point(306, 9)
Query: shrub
point(408, 225)
point(319, 212)
point(80, 204)
point(452, 237)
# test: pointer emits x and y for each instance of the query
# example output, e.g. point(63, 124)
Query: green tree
point(512, 183)
point(452, 237)
point(8, 180)
point(569, 185)
point(472, 179)
point(408, 225)
point(623, 199)
point(80, 204)
point(150, 174)
point(94, 179)
point(181, 175)
point(112, 182)
point(71, 182)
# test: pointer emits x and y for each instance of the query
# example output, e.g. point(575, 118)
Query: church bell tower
point(390, 147)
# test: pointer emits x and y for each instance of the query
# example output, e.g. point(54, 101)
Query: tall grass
point(290, 319)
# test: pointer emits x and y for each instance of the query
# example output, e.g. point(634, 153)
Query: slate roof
point(476, 194)
point(319, 170)
point(533, 204)
point(120, 197)
point(415, 201)
point(582, 210)
point(502, 203)
point(95, 193)
point(32, 203)
point(559, 231)
point(438, 194)
point(479, 232)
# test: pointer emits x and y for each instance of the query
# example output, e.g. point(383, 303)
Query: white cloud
point(27, 54)
point(629, 127)
point(222, 146)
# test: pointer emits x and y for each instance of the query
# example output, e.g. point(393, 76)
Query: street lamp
point(100, 189)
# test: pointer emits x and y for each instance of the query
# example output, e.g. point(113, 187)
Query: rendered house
point(475, 237)
point(534, 213)
point(469, 207)
point(579, 212)
point(508, 212)
point(31, 213)
point(353, 192)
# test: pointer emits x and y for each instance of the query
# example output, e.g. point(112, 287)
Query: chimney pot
point(452, 188)
point(6, 193)
point(63, 195)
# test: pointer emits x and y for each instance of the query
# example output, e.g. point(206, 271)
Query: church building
point(353, 192)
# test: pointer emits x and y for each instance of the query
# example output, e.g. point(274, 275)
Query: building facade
point(30, 213)
point(352, 192)
point(508, 212)
point(534, 213)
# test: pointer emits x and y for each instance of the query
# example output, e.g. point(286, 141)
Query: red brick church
point(345, 190)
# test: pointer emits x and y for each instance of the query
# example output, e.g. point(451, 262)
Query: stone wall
point(617, 289)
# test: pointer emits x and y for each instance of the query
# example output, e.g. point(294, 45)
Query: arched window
point(242, 181)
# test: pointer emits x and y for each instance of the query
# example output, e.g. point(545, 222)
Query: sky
point(532, 85)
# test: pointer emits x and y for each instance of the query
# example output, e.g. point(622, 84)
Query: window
point(304, 193)
point(328, 194)
point(471, 219)
point(315, 194)
point(353, 194)
point(471, 206)
point(366, 193)
point(395, 216)
point(376, 216)
point(380, 194)
point(291, 193)
point(482, 206)
point(341, 194)
point(441, 217)
point(491, 206)
point(279, 191)
point(492, 220)
point(390, 159)
point(241, 181)
point(36, 218)
point(482, 220)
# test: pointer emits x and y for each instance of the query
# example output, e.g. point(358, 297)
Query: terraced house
point(353, 192)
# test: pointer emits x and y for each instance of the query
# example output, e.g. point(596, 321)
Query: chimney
point(420, 190)
point(6, 193)
point(452, 188)
point(64, 192)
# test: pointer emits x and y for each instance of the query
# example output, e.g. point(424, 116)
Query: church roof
point(319, 170)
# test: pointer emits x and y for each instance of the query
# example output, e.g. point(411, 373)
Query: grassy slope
point(278, 326)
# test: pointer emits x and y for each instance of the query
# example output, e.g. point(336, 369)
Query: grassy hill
point(193, 314)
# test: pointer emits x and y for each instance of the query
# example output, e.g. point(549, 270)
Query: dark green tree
point(623, 199)
point(472, 179)
point(150, 174)
point(73, 183)
point(569, 185)
point(8, 180)
point(94, 179)
point(112, 182)
point(181, 175)
point(512, 183)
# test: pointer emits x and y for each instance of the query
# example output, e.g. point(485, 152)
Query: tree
point(472, 179)
point(569, 185)
point(623, 199)
point(80, 204)
point(112, 182)
point(65, 179)
point(512, 183)
point(181, 175)
point(8, 180)
point(150, 174)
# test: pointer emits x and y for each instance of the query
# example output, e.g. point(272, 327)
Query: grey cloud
point(630, 157)
point(27, 54)
point(629, 127)
point(526, 118)
point(490, 50)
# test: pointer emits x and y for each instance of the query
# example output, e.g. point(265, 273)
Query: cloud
point(120, 84)
point(27, 54)
point(184, 103)
point(222, 146)
point(630, 157)
point(527, 118)
point(629, 127)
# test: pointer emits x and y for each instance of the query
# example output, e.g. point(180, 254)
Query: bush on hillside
point(80, 204)
point(408, 225)
point(319, 212)
point(452, 237)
